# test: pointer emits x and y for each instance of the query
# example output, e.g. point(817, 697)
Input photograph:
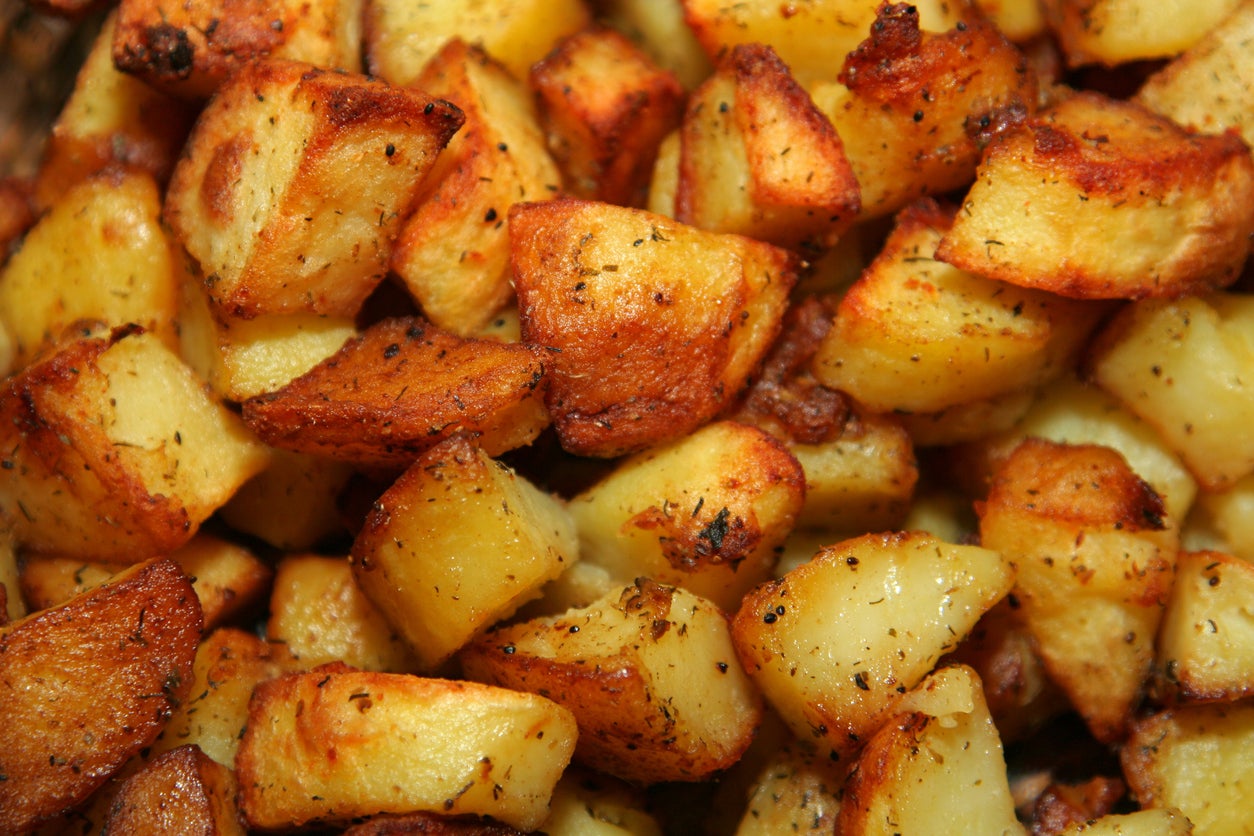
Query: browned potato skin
point(89, 684)
point(606, 108)
point(184, 791)
point(402, 387)
point(430, 824)
point(641, 356)
point(189, 48)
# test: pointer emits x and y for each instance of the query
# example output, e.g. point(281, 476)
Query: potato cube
point(1115, 32)
point(1180, 366)
point(758, 158)
point(917, 335)
point(605, 107)
point(649, 673)
point(658, 26)
point(456, 544)
point(587, 803)
point(706, 512)
point(453, 252)
point(319, 615)
point(190, 48)
point(1095, 556)
point(1230, 515)
point(294, 182)
point(1198, 760)
point(836, 642)
point(795, 792)
point(293, 504)
point(183, 787)
point(115, 451)
point(88, 684)
point(99, 255)
point(111, 117)
point(1101, 199)
point(335, 743)
point(402, 387)
point(935, 766)
point(402, 37)
point(653, 326)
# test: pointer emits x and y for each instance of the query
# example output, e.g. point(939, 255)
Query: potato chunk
point(649, 673)
point(336, 743)
point(456, 544)
point(402, 387)
point(653, 326)
point(1114, 32)
point(261, 198)
point(706, 512)
point(88, 684)
point(117, 452)
point(1101, 199)
point(1095, 557)
point(182, 788)
point(836, 642)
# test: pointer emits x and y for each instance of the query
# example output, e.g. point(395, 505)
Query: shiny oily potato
point(1095, 556)
point(652, 326)
point(183, 788)
point(1101, 199)
point(649, 673)
point(402, 387)
point(456, 544)
point(88, 684)
point(336, 743)
point(836, 642)
point(260, 198)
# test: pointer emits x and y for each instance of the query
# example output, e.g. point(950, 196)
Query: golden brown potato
point(14, 607)
point(1101, 199)
point(88, 684)
point(968, 421)
point(649, 673)
point(935, 766)
point(836, 642)
point(1164, 359)
point(796, 792)
point(402, 387)
point(99, 255)
point(17, 215)
point(402, 37)
point(758, 158)
point(115, 451)
point(190, 48)
point(453, 252)
point(1209, 87)
point(1115, 32)
point(652, 326)
point(1229, 516)
point(111, 117)
point(1018, 20)
point(457, 543)
point(605, 107)
point(319, 615)
point(182, 790)
point(1062, 805)
point(587, 803)
point(1198, 760)
point(1095, 555)
point(263, 197)
point(336, 743)
point(432, 824)
point(914, 334)
point(915, 108)
point(1205, 644)
point(293, 504)
point(706, 512)
point(658, 26)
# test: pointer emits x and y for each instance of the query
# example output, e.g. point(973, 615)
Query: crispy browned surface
point(653, 326)
point(88, 684)
point(431, 825)
point(183, 791)
point(402, 387)
point(1066, 805)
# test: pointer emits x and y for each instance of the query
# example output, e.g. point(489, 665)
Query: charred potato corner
point(627, 417)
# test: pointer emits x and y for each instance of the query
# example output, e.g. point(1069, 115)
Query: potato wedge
point(649, 673)
point(183, 788)
point(935, 766)
point(456, 544)
point(402, 387)
point(706, 512)
point(653, 326)
point(1102, 199)
point(117, 451)
point(260, 200)
point(88, 684)
point(836, 642)
point(1095, 556)
point(336, 743)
